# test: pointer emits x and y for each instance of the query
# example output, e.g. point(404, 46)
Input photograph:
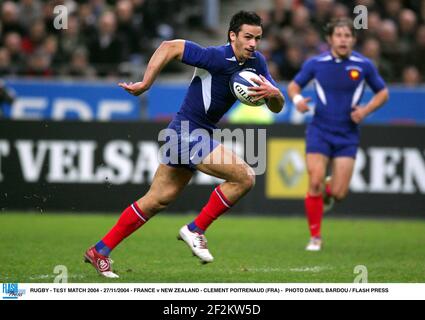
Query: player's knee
point(245, 183)
point(244, 178)
point(248, 182)
point(248, 179)
point(315, 187)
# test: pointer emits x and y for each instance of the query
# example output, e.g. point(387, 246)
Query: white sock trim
point(135, 211)
point(222, 200)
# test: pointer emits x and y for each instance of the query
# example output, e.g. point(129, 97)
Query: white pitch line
point(314, 269)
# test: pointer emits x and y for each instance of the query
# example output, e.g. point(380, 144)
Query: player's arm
point(378, 100)
point(302, 78)
point(377, 84)
point(167, 51)
point(267, 88)
point(294, 92)
point(275, 100)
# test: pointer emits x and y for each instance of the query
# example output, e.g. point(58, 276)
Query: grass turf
point(246, 249)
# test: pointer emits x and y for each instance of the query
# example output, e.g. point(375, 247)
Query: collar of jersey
point(230, 55)
point(339, 60)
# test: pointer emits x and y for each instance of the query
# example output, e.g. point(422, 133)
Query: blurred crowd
point(394, 39)
point(102, 38)
point(115, 38)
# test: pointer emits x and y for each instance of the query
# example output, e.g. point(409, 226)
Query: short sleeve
point(306, 73)
point(200, 57)
point(373, 78)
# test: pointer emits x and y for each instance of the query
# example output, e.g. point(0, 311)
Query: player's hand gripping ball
point(239, 84)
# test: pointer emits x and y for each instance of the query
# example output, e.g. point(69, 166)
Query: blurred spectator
point(50, 50)
point(293, 62)
point(106, 49)
point(38, 65)
point(87, 19)
point(369, 4)
point(373, 23)
point(29, 12)
point(281, 13)
point(408, 26)
point(312, 44)
point(372, 49)
point(70, 39)
point(418, 53)
point(321, 14)
point(5, 65)
point(98, 8)
point(390, 45)
point(10, 18)
point(48, 15)
point(129, 29)
point(411, 76)
point(391, 9)
point(265, 16)
point(340, 11)
point(79, 66)
point(35, 37)
point(13, 43)
point(300, 21)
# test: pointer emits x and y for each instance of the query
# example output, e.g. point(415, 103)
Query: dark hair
point(243, 17)
point(340, 22)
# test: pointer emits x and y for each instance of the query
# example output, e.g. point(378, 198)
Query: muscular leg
point(167, 184)
point(342, 170)
point(239, 176)
point(316, 167)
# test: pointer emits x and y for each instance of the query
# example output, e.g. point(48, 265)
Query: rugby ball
point(239, 84)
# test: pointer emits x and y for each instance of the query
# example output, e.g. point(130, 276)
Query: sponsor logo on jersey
point(354, 72)
point(354, 75)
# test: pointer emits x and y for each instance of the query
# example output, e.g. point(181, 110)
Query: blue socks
point(194, 228)
point(102, 248)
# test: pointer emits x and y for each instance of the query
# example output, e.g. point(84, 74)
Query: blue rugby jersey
point(209, 97)
point(339, 86)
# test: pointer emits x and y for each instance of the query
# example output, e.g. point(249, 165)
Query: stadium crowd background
point(111, 39)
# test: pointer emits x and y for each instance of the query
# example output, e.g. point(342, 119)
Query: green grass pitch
point(246, 249)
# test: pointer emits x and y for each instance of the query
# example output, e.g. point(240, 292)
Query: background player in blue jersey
point(332, 137)
point(207, 100)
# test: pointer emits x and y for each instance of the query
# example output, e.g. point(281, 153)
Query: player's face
point(246, 41)
point(342, 42)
